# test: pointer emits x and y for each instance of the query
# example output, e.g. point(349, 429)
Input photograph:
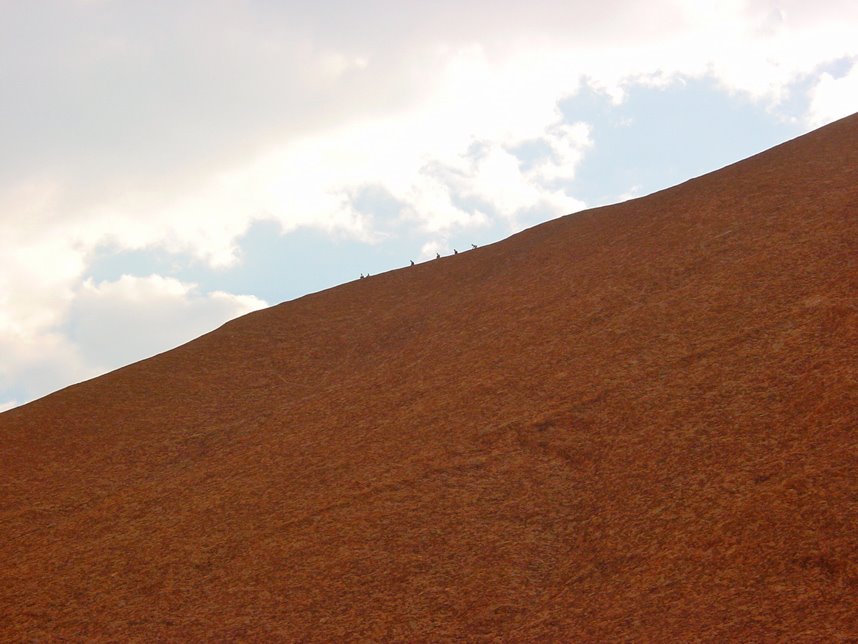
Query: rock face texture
point(635, 422)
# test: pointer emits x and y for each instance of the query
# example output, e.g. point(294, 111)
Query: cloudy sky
point(170, 164)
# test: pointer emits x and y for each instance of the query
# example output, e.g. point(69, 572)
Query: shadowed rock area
point(635, 422)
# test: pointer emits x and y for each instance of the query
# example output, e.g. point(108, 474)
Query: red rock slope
point(637, 422)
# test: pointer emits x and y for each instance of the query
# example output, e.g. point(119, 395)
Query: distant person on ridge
point(474, 246)
point(412, 262)
point(437, 255)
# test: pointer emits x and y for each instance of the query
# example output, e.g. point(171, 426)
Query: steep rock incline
point(638, 421)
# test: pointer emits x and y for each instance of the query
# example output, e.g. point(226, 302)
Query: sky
point(168, 165)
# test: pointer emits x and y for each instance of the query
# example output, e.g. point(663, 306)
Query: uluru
point(636, 422)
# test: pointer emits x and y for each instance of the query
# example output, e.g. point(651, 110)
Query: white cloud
point(180, 128)
point(433, 248)
point(37, 363)
point(833, 98)
point(114, 323)
point(568, 144)
point(105, 325)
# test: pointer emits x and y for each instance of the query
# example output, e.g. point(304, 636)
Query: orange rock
point(635, 422)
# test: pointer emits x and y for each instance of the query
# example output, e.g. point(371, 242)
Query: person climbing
point(455, 252)
point(437, 255)
point(474, 246)
point(412, 262)
point(361, 275)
